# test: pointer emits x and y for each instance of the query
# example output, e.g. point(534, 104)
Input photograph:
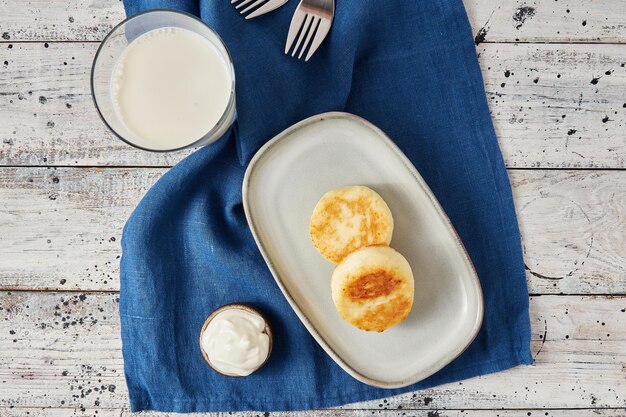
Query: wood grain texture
point(558, 106)
point(548, 21)
point(60, 228)
point(63, 350)
point(573, 226)
point(58, 20)
point(503, 21)
point(60, 412)
point(546, 110)
point(111, 412)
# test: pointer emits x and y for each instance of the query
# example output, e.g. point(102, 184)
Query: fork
point(310, 24)
point(258, 5)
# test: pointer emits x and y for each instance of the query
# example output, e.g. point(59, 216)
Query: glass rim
point(231, 100)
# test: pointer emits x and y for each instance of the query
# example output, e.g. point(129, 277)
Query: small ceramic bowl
point(248, 309)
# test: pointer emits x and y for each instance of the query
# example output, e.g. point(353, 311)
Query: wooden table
point(556, 81)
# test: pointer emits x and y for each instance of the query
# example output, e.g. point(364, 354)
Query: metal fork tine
point(252, 6)
point(310, 25)
point(320, 35)
point(243, 3)
point(256, 8)
point(305, 27)
point(314, 23)
point(296, 23)
point(257, 3)
point(267, 7)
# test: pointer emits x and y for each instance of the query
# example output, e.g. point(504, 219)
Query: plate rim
point(434, 367)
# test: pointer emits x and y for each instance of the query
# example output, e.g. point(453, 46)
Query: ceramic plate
point(284, 181)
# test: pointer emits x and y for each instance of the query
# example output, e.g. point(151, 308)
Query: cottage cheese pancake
point(373, 288)
point(348, 218)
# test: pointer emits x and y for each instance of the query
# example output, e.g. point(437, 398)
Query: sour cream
point(235, 342)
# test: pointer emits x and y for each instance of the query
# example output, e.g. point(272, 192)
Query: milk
point(170, 87)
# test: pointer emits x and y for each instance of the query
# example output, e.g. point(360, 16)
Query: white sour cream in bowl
point(236, 340)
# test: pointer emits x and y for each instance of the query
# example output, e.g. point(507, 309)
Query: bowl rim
point(247, 308)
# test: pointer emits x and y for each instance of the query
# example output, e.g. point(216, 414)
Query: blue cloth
point(409, 67)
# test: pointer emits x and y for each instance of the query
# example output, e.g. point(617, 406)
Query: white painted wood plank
point(546, 110)
point(63, 350)
point(103, 412)
point(50, 20)
point(548, 20)
point(558, 106)
point(573, 226)
point(504, 21)
point(60, 227)
point(60, 412)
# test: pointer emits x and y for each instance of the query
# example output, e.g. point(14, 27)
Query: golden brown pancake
point(348, 218)
point(373, 288)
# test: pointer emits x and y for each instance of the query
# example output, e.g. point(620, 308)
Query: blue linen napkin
point(409, 67)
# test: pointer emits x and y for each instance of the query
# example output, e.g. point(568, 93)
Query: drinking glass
point(113, 46)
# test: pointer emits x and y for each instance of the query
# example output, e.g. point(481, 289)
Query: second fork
point(310, 24)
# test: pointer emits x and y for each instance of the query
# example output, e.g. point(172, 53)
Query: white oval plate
point(282, 184)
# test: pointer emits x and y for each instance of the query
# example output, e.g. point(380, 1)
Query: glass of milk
point(163, 81)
